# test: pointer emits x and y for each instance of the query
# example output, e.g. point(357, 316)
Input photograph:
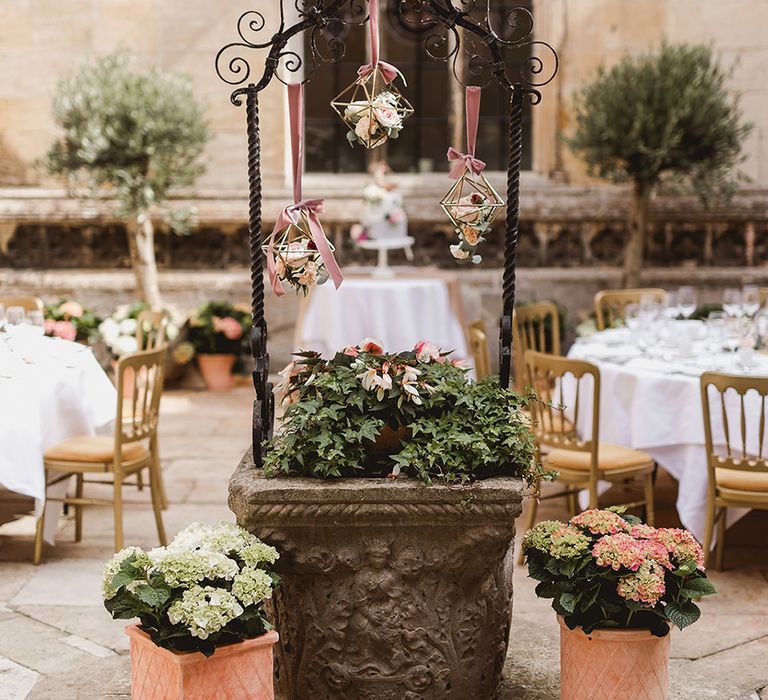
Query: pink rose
point(386, 116)
point(427, 351)
point(71, 309)
point(49, 326)
point(230, 327)
point(64, 330)
point(372, 346)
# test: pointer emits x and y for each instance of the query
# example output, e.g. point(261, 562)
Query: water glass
point(733, 333)
point(37, 319)
point(716, 330)
point(750, 299)
point(632, 316)
point(732, 301)
point(761, 325)
point(2, 318)
point(686, 301)
point(15, 315)
point(671, 309)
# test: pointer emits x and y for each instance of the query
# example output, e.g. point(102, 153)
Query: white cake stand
point(384, 245)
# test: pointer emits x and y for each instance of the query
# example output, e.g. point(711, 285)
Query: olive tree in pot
point(617, 587)
point(391, 489)
point(664, 118)
point(132, 136)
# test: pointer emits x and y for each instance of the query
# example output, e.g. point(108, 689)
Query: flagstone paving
point(58, 642)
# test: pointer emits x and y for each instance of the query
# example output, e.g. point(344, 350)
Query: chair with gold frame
point(611, 303)
point(737, 477)
point(151, 329)
point(132, 449)
point(27, 303)
point(478, 346)
point(763, 296)
point(580, 462)
point(535, 326)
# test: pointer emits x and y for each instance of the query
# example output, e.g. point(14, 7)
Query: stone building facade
point(567, 219)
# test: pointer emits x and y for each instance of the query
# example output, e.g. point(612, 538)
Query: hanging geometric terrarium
point(373, 109)
point(296, 258)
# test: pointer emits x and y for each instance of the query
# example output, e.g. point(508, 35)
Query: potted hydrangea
point(202, 631)
point(71, 321)
point(617, 586)
point(118, 331)
point(216, 330)
point(391, 488)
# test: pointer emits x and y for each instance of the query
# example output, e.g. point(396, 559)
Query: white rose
point(128, 326)
point(125, 344)
point(109, 330)
point(355, 110)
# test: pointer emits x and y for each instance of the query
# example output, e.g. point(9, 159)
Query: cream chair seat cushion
point(609, 457)
point(742, 480)
point(93, 448)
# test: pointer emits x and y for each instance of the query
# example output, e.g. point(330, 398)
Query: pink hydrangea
point(600, 522)
point(568, 542)
point(645, 586)
point(229, 326)
point(682, 545)
point(619, 550)
point(643, 532)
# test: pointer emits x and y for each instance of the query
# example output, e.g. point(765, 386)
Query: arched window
point(432, 89)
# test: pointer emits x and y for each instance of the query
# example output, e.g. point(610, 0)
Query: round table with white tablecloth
point(399, 312)
point(50, 390)
point(652, 402)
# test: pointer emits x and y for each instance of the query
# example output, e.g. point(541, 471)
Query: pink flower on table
point(71, 309)
point(600, 522)
point(49, 326)
point(64, 330)
point(372, 346)
point(427, 351)
point(682, 545)
point(229, 326)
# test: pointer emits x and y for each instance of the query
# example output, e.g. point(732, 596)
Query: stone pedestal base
point(390, 590)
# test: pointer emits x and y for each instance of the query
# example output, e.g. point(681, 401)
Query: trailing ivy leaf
point(682, 614)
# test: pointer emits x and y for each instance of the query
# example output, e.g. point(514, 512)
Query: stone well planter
point(390, 590)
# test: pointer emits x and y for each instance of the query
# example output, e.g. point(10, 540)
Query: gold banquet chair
point(151, 329)
point(610, 304)
point(132, 449)
point(478, 346)
point(736, 478)
point(27, 303)
point(535, 326)
point(580, 463)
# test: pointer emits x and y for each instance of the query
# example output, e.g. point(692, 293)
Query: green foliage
point(660, 116)
point(219, 327)
point(84, 321)
point(440, 426)
point(605, 569)
point(138, 133)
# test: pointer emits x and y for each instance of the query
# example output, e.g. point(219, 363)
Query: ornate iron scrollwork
point(465, 33)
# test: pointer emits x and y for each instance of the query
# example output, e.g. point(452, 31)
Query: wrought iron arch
point(454, 30)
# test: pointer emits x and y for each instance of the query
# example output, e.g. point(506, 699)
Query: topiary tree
point(133, 135)
point(665, 116)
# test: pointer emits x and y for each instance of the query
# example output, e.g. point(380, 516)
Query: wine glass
point(632, 316)
point(36, 319)
point(716, 330)
point(671, 309)
point(761, 325)
point(15, 315)
point(750, 299)
point(686, 301)
point(732, 301)
point(732, 333)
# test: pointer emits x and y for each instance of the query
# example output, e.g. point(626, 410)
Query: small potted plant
point(617, 587)
point(391, 488)
point(216, 331)
point(71, 321)
point(202, 631)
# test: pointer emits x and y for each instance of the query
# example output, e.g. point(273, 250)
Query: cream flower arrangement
point(204, 590)
point(374, 121)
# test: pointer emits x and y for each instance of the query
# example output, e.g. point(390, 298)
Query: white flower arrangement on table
point(204, 590)
point(374, 121)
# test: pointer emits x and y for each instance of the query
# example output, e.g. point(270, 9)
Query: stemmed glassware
point(36, 319)
point(732, 301)
point(15, 315)
point(686, 301)
point(750, 299)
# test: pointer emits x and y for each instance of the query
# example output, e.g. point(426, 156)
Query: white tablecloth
point(50, 389)
point(655, 406)
point(399, 312)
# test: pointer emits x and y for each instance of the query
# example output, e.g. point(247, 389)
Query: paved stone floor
point(58, 642)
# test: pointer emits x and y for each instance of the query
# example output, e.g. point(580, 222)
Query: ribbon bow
point(389, 71)
point(467, 161)
point(290, 216)
point(463, 161)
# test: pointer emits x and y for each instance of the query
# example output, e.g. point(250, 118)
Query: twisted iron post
point(263, 406)
point(512, 232)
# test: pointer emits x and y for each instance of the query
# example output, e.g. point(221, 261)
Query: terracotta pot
point(128, 381)
point(216, 370)
point(240, 671)
point(613, 664)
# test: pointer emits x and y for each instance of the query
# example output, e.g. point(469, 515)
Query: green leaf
point(682, 614)
point(568, 601)
point(697, 587)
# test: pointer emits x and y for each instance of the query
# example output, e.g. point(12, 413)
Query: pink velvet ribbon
point(387, 70)
point(291, 215)
point(467, 161)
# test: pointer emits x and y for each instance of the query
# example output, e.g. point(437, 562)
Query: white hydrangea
point(204, 611)
point(128, 326)
point(186, 567)
point(226, 538)
point(109, 331)
point(113, 566)
point(124, 344)
point(252, 586)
